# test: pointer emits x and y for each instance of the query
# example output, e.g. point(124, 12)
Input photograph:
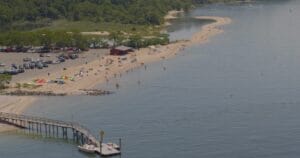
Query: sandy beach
point(173, 14)
point(102, 68)
point(11, 104)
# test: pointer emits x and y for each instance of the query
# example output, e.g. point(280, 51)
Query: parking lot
point(17, 59)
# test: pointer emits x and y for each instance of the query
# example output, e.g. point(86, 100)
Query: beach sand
point(171, 15)
point(11, 104)
point(103, 68)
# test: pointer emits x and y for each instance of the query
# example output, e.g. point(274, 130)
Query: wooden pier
point(51, 128)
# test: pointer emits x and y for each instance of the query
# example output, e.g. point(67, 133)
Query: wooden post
point(77, 137)
point(32, 126)
point(37, 127)
point(57, 131)
point(49, 128)
point(63, 132)
point(120, 144)
point(73, 134)
point(46, 129)
point(82, 141)
point(66, 131)
point(101, 140)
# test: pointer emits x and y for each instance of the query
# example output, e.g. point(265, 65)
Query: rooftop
point(123, 48)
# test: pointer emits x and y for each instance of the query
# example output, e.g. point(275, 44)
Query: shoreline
point(12, 104)
point(104, 68)
point(171, 15)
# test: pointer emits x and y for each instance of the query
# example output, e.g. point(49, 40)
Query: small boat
point(113, 145)
point(87, 148)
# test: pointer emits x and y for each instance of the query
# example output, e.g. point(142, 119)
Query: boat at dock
point(87, 148)
point(116, 146)
point(107, 149)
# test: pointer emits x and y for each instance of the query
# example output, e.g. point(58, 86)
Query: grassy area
point(88, 26)
point(4, 79)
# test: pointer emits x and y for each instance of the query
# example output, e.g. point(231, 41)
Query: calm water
point(236, 97)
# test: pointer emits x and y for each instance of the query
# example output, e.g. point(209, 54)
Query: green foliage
point(29, 86)
point(4, 79)
point(139, 42)
point(18, 85)
point(52, 22)
point(45, 38)
point(115, 37)
point(135, 41)
point(34, 13)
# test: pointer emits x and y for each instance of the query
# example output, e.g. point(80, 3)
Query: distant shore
point(104, 68)
point(173, 14)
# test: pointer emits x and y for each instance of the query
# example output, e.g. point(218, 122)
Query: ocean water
point(235, 97)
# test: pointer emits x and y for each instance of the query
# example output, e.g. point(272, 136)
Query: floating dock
point(107, 150)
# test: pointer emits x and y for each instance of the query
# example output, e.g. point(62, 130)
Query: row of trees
point(74, 38)
point(45, 38)
point(19, 15)
point(137, 41)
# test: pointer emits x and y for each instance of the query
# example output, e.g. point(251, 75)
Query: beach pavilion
point(121, 50)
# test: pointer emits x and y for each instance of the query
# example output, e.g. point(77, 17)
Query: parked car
point(61, 59)
point(2, 49)
point(56, 62)
point(12, 72)
point(44, 50)
point(27, 59)
point(26, 65)
point(21, 70)
point(48, 62)
point(39, 65)
point(31, 50)
point(14, 66)
point(65, 56)
point(73, 56)
point(26, 49)
point(45, 64)
point(18, 49)
point(8, 50)
point(32, 65)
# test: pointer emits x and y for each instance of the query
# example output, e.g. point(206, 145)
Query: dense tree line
point(32, 12)
point(64, 38)
point(19, 15)
point(45, 38)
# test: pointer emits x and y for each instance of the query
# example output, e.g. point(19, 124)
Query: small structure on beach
point(121, 50)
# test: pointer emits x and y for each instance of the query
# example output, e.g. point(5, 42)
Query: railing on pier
point(49, 126)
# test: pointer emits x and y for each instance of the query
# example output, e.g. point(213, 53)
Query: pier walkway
point(51, 128)
point(59, 129)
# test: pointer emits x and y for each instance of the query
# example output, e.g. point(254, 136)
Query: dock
point(58, 129)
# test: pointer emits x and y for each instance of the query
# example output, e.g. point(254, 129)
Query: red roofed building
point(121, 50)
